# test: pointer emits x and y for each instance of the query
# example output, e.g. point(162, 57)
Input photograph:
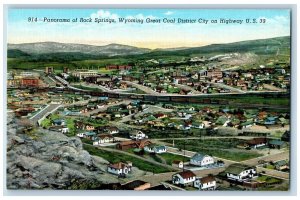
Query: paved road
point(141, 87)
point(273, 157)
point(95, 111)
point(220, 85)
point(163, 177)
point(48, 109)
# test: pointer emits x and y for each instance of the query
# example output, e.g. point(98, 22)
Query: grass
point(169, 158)
point(222, 148)
point(114, 157)
point(87, 88)
point(268, 179)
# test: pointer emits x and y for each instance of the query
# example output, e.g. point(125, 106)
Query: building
point(49, 70)
point(30, 82)
point(201, 160)
point(257, 142)
point(58, 122)
point(81, 74)
point(177, 163)
point(66, 70)
point(240, 172)
point(118, 67)
point(184, 178)
point(103, 138)
point(281, 165)
point(133, 144)
point(138, 135)
point(276, 144)
point(155, 149)
point(119, 168)
point(205, 183)
point(112, 130)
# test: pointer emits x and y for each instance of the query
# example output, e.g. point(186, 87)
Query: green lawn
point(223, 148)
point(169, 158)
point(268, 179)
point(114, 157)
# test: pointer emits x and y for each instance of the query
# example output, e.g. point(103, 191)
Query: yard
point(169, 158)
point(114, 157)
point(222, 148)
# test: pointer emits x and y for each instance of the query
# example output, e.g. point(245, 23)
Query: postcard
point(148, 99)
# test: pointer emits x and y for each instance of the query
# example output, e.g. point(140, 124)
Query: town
point(194, 124)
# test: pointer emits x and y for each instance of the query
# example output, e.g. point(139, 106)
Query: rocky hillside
point(37, 159)
point(55, 47)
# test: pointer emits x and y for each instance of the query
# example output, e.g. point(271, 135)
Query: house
point(205, 183)
point(281, 165)
point(177, 163)
point(286, 136)
point(89, 135)
point(84, 126)
point(136, 185)
point(58, 122)
point(138, 135)
point(133, 144)
point(119, 168)
point(103, 138)
point(112, 130)
point(276, 144)
point(198, 125)
point(257, 142)
point(201, 160)
point(62, 129)
point(184, 178)
point(240, 172)
point(155, 149)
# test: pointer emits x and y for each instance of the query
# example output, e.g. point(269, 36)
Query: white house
point(104, 138)
point(184, 178)
point(119, 168)
point(240, 172)
point(201, 160)
point(205, 183)
point(80, 134)
point(112, 130)
point(177, 163)
point(138, 135)
point(155, 149)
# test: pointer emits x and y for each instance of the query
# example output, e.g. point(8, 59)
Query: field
point(113, 157)
point(222, 148)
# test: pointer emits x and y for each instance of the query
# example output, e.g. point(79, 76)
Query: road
point(48, 109)
point(221, 85)
point(141, 87)
point(104, 108)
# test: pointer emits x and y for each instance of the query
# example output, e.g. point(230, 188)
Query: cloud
point(104, 14)
point(168, 13)
point(140, 16)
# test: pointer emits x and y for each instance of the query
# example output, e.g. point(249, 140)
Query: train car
point(195, 100)
point(223, 102)
point(206, 101)
point(179, 99)
point(113, 95)
point(163, 98)
point(124, 96)
point(149, 98)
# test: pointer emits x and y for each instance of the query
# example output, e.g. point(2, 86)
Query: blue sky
point(146, 35)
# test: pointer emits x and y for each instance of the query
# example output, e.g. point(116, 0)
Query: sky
point(147, 35)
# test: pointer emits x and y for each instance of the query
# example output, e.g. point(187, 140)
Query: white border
point(183, 3)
